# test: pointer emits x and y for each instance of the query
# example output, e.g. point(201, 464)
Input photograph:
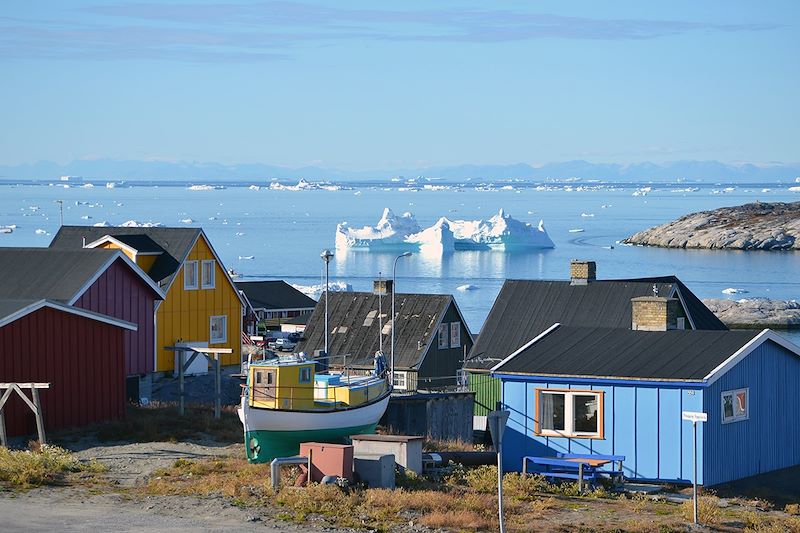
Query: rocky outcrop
point(756, 312)
point(756, 226)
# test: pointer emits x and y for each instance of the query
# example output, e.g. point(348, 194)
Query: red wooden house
point(102, 281)
point(80, 353)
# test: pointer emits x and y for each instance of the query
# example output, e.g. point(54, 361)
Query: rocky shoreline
point(756, 312)
point(755, 226)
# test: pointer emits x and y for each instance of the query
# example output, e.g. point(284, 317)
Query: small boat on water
point(286, 402)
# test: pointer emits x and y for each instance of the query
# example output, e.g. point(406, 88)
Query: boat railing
point(309, 397)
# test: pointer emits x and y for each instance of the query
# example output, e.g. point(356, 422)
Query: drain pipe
point(278, 462)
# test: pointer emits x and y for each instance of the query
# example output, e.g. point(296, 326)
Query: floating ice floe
point(101, 224)
point(315, 291)
point(466, 287)
point(501, 232)
point(187, 220)
point(576, 230)
point(6, 229)
point(794, 189)
point(642, 191)
point(304, 185)
point(238, 234)
point(246, 257)
point(254, 188)
point(135, 224)
point(85, 217)
point(40, 232)
point(731, 290)
point(110, 185)
point(205, 187)
point(587, 215)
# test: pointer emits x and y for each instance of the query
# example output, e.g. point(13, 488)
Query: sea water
point(268, 234)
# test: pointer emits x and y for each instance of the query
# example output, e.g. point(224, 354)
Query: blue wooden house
point(594, 390)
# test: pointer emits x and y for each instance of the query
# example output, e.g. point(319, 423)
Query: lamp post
point(394, 317)
point(326, 256)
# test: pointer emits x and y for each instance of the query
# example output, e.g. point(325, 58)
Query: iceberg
point(315, 291)
point(500, 232)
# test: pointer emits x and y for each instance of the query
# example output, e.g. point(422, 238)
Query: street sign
point(694, 416)
point(497, 425)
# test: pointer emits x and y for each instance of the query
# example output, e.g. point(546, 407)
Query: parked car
point(284, 345)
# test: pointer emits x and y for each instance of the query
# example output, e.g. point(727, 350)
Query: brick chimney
point(582, 272)
point(382, 287)
point(654, 313)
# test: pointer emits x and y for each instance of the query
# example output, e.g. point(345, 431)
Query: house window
point(735, 405)
point(455, 334)
point(569, 413)
point(190, 275)
point(208, 274)
point(399, 380)
point(305, 375)
point(219, 330)
point(444, 331)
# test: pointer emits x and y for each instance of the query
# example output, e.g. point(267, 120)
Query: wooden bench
point(576, 466)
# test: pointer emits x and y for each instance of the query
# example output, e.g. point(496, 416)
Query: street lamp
point(326, 256)
point(394, 317)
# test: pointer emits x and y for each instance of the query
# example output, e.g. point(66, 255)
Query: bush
point(41, 465)
point(708, 510)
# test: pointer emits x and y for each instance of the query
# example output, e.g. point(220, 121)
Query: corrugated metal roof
point(35, 273)
point(624, 353)
point(525, 308)
point(353, 325)
point(275, 294)
point(176, 243)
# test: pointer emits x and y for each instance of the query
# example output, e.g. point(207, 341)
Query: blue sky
point(364, 85)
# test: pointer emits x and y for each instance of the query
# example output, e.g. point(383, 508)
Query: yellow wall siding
point(112, 246)
point(185, 315)
point(145, 261)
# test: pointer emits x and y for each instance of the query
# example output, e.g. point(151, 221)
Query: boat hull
point(271, 433)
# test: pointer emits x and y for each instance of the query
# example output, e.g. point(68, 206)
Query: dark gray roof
point(357, 335)
point(176, 243)
point(141, 243)
point(36, 273)
point(525, 308)
point(624, 353)
point(10, 306)
point(274, 295)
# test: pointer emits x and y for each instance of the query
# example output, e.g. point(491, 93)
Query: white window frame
point(204, 283)
point(735, 418)
point(455, 334)
point(400, 380)
point(211, 339)
point(444, 336)
point(569, 414)
point(190, 266)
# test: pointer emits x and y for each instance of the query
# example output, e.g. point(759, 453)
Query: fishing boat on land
point(286, 401)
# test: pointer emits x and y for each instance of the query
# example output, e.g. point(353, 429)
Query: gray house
point(431, 337)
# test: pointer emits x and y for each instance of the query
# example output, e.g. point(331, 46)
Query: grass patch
point(230, 476)
point(40, 465)
point(159, 422)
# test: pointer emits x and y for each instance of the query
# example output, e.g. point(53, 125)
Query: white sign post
point(694, 417)
point(497, 425)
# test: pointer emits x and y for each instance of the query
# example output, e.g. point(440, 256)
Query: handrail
point(285, 397)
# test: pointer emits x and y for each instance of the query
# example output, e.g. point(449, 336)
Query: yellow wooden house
point(202, 304)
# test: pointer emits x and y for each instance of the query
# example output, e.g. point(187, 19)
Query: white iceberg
point(135, 224)
point(731, 290)
point(315, 291)
point(501, 232)
point(205, 187)
point(246, 257)
point(466, 287)
point(304, 185)
point(187, 220)
point(40, 232)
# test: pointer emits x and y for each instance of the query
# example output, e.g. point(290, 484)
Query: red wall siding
point(120, 293)
point(81, 358)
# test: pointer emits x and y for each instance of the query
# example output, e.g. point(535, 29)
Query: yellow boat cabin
point(292, 383)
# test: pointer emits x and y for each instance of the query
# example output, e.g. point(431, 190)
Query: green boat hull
point(263, 446)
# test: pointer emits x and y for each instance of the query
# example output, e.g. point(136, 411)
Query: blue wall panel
point(606, 446)
point(768, 439)
point(515, 442)
point(647, 433)
point(691, 400)
point(669, 431)
point(625, 427)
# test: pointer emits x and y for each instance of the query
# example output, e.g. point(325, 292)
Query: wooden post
point(580, 478)
point(180, 380)
point(34, 406)
point(217, 387)
point(38, 412)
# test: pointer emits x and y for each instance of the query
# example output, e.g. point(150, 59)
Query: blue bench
point(581, 467)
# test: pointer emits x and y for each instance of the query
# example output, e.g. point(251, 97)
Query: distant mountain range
point(705, 171)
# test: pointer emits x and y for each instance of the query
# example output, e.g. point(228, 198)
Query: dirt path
point(79, 509)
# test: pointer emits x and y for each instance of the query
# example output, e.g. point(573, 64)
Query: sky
point(363, 85)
